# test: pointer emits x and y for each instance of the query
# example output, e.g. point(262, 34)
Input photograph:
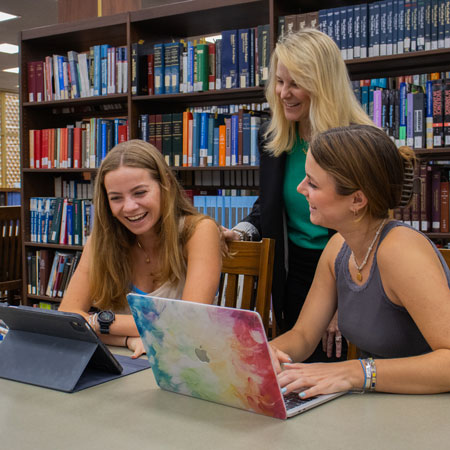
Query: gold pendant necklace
point(145, 253)
point(369, 250)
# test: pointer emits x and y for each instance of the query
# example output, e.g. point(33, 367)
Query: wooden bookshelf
point(162, 24)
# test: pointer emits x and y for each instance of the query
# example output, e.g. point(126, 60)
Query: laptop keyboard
point(292, 400)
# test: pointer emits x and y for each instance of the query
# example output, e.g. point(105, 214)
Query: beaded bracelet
point(370, 374)
point(373, 378)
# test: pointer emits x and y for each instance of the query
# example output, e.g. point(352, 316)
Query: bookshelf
point(161, 24)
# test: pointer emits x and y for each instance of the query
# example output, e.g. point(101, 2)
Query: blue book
point(234, 139)
point(441, 24)
point(255, 123)
point(394, 26)
point(227, 212)
point(216, 147)
point(434, 24)
point(97, 70)
point(158, 69)
point(323, 20)
point(343, 31)
point(402, 127)
point(244, 57)
point(350, 32)
point(246, 138)
point(203, 150)
point(167, 73)
point(190, 66)
point(330, 23)
point(230, 64)
point(62, 89)
point(211, 206)
point(357, 31)
point(364, 21)
point(401, 27)
point(252, 58)
point(447, 24)
point(143, 128)
point(69, 223)
point(407, 26)
point(427, 24)
point(376, 29)
point(200, 203)
point(420, 25)
point(414, 26)
point(337, 26)
point(104, 68)
point(74, 77)
point(177, 52)
point(389, 27)
point(210, 161)
point(117, 123)
point(383, 28)
point(196, 124)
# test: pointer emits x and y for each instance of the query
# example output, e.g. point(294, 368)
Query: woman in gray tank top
point(388, 280)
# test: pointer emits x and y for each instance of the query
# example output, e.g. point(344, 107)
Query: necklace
point(361, 267)
point(145, 253)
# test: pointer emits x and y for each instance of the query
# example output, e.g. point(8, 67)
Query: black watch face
point(106, 316)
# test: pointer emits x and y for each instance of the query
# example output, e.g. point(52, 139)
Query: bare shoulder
point(331, 251)
point(204, 225)
point(405, 248)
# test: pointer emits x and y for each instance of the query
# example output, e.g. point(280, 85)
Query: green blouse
point(301, 231)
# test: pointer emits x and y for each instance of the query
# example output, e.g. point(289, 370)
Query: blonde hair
point(110, 271)
point(314, 62)
point(362, 157)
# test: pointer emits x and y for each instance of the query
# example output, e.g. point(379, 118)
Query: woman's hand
point(230, 235)
point(321, 378)
point(135, 344)
point(278, 357)
point(332, 337)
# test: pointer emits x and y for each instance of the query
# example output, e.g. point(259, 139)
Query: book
point(229, 63)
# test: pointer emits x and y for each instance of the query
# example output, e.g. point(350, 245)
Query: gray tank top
point(368, 319)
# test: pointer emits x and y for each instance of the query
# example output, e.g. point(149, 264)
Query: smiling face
point(134, 198)
point(296, 100)
point(326, 207)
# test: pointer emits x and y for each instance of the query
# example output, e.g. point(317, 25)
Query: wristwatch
point(105, 319)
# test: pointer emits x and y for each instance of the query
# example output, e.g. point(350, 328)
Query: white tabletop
point(133, 413)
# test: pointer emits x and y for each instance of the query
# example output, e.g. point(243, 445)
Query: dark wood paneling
point(72, 10)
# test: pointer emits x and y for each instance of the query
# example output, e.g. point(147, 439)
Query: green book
point(202, 67)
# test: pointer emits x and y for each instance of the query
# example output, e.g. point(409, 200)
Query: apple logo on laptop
point(202, 355)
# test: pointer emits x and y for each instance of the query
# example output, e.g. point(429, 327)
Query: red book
point(212, 66)
point(31, 148)
point(39, 66)
point(425, 197)
point(44, 149)
point(123, 133)
point(37, 149)
point(150, 77)
point(186, 136)
point(77, 148)
point(31, 72)
point(63, 155)
point(444, 206)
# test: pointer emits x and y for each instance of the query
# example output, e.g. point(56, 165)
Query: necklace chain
point(369, 250)
point(147, 260)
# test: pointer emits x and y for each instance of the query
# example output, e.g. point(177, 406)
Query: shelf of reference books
point(405, 63)
point(104, 99)
point(433, 153)
point(55, 246)
point(254, 94)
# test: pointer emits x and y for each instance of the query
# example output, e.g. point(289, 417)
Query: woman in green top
point(308, 91)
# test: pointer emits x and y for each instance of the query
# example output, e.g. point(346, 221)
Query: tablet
point(51, 348)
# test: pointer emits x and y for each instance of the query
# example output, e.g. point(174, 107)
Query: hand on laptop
point(135, 344)
point(319, 378)
point(278, 358)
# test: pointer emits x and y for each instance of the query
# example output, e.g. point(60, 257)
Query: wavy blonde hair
point(110, 271)
point(314, 62)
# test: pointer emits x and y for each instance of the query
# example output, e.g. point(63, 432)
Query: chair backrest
point(445, 252)
point(10, 249)
point(254, 261)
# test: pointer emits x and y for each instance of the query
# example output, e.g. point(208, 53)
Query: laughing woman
point(147, 238)
point(388, 280)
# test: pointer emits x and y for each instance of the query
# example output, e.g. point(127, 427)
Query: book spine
point(159, 69)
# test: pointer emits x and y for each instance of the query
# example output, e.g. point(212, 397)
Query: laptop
point(214, 353)
point(53, 349)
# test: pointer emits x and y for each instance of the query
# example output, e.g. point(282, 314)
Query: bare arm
point(204, 263)
point(78, 300)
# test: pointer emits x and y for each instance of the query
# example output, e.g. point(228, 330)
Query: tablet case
point(56, 350)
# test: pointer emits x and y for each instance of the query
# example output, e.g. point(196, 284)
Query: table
point(133, 413)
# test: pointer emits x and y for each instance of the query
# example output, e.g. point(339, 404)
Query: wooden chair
point(253, 260)
point(445, 252)
point(10, 253)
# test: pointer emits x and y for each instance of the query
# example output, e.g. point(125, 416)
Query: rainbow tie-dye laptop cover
point(213, 353)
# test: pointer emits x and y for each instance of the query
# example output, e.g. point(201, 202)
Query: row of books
point(79, 189)
point(9, 198)
point(58, 220)
point(49, 272)
point(238, 59)
point(102, 70)
point(429, 210)
point(226, 210)
point(83, 145)
point(380, 28)
point(411, 115)
point(233, 180)
point(204, 139)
